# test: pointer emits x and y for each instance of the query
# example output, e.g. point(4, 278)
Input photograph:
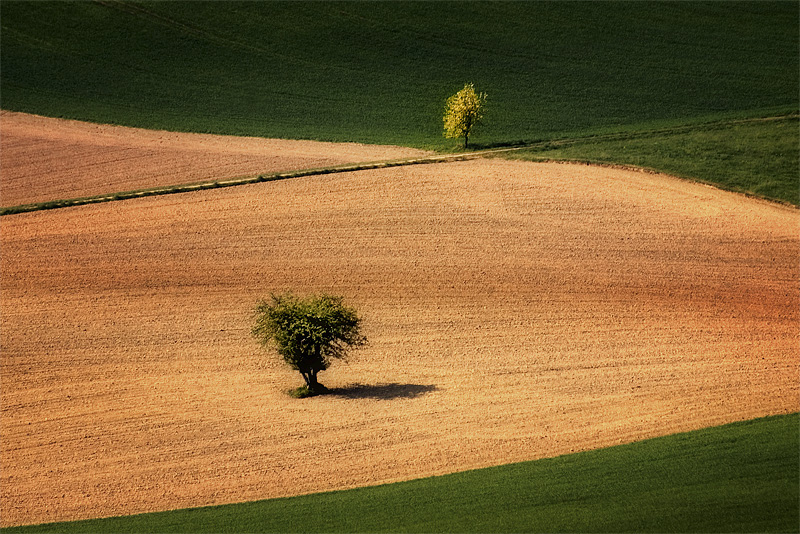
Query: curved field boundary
point(539, 496)
point(540, 145)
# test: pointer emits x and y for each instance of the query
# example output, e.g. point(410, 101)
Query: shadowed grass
point(345, 71)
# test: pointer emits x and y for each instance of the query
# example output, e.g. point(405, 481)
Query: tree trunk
point(466, 138)
point(311, 382)
point(310, 371)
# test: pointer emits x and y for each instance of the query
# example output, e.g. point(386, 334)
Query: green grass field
point(743, 477)
point(380, 73)
point(758, 157)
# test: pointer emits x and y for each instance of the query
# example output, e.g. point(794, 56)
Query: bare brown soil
point(515, 311)
point(45, 159)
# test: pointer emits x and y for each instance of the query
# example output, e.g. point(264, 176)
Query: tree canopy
point(308, 332)
point(462, 112)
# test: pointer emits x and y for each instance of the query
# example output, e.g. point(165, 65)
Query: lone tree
point(462, 112)
point(309, 333)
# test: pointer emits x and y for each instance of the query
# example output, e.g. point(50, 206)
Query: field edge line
point(438, 158)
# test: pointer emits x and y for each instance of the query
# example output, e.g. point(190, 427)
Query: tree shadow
point(499, 144)
point(382, 391)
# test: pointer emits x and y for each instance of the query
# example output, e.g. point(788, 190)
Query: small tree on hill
point(309, 333)
point(462, 112)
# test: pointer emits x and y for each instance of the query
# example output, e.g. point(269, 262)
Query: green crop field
point(757, 156)
point(380, 73)
point(743, 477)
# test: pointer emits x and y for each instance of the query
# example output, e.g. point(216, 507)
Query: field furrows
point(514, 311)
point(45, 159)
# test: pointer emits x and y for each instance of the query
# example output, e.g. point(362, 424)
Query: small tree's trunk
point(466, 139)
point(313, 385)
point(310, 371)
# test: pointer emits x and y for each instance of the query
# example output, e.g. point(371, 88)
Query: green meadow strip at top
point(380, 72)
point(741, 477)
point(770, 166)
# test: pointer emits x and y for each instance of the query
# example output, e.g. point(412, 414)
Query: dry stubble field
point(45, 159)
point(515, 311)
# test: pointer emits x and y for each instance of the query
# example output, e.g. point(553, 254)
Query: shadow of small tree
point(382, 391)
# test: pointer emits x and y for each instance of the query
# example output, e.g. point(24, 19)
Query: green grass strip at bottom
point(741, 477)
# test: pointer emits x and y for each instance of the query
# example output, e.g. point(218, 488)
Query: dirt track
point(515, 311)
point(45, 159)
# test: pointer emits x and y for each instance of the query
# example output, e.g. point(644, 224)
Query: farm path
point(515, 311)
point(44, 159)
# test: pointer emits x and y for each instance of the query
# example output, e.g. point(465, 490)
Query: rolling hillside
point(379, 73)
point(515, 311)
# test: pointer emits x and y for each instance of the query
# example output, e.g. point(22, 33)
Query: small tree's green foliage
point(308, 332)
point(463, 111)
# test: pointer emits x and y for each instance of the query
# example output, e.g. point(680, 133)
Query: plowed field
point(515, 311)
point(45, 159)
